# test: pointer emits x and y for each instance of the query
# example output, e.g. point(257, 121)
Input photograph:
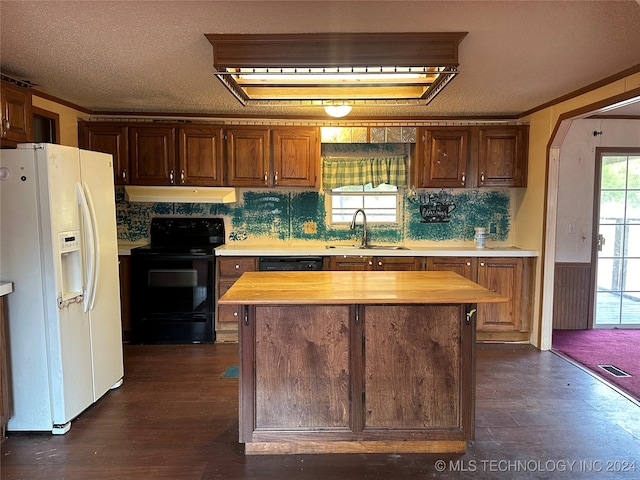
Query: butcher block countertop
point(352, 287)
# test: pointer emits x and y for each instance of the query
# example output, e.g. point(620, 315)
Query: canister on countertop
point(480, 236)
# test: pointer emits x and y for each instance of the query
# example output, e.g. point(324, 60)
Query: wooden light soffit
point(320, 67)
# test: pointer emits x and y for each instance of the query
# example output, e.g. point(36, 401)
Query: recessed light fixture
point(313, 69)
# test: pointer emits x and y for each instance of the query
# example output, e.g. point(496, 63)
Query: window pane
point(614, 172)
point(609, 271)
point(630, 311)
point(632, 243)
point(608, 308)
point(634, 173)
point(347, 201)
point(633, 206)
point(631, 277)
point(612, 204)
point(612, 242)
point(380, 201)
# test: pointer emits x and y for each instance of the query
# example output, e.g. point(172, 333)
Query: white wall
point(576, 181)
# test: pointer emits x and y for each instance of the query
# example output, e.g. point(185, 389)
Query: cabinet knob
point(182, 176)
point(379, 264)
point(171, 176)
point(463, 179)
point(237, 266)
point(370, 262)
point(124, 175)
point(265, 177)
point(481, 178)
point(275, 178)
point(468, 264)
point(482, 264)
point(235, 314)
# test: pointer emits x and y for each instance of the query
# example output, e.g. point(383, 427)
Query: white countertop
point(5, 288)
point(411, 251)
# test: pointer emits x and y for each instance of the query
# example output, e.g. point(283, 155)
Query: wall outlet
point(310, 228)
point(572, 229)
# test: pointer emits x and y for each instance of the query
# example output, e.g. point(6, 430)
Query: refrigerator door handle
point(88, 233)
point(96, 246)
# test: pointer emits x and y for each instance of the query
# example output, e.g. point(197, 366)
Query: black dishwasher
point(289, 264)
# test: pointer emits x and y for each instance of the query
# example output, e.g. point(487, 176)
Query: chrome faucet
point(365, 240)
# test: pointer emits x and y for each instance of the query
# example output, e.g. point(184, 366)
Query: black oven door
point(172, 298)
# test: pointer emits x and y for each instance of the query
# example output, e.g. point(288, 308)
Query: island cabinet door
point(295, 373)
point(418, 372)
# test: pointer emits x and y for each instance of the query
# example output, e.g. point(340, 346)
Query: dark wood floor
point(175, 417)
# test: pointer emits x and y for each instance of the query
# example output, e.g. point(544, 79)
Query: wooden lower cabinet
point(228, 270)
point(356, 378)
point(366, 263)
point(124, 262)
point(509, 276)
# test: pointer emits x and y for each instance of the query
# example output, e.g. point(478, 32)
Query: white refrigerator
point(58, 245)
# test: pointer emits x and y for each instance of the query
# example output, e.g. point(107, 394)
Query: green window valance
point(345, 171)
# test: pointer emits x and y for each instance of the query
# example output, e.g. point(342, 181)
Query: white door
point(617, 301)
point(104, 313)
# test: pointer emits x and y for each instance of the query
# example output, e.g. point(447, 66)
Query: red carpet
point(591, 348)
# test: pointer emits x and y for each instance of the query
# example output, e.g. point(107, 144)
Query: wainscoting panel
point(572, 296)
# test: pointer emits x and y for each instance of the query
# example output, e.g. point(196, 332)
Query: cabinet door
point(416, 377)
point(397, 263)
point(110, 139)
point(295, 157)
point(503, 276)
point(16, 113)
point(248, 157)
point(200, 156)
point(153, 155)
point(502, 157)
point(351, 263)
point(298, 373)
point(229, 269)
point(463, 266)
point(124, 263)
point(442, 158)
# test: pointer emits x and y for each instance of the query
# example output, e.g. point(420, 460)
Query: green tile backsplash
point(294, 215)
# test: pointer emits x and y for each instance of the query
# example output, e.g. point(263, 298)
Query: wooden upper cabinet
point(442, 158)
point(248, 157)
point(200, 156)
point(502, 157)
point(111, 139)
point(17, 117)
point(280, 157)
point(296, 156)
point(472, 157)
point(152, 155)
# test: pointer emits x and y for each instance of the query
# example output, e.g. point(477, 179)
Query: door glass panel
point(633, 181)
point(607, 308)
point(618, 280)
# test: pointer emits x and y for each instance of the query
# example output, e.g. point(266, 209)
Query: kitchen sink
point(370, 247)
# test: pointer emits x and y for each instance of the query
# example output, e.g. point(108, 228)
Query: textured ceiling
point(152, 56)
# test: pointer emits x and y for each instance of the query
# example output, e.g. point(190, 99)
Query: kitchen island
point(356, 362)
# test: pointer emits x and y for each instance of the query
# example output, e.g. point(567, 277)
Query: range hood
point(179, 194)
